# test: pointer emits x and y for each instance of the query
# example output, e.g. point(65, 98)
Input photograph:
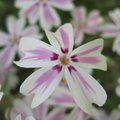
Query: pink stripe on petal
point(85, 83)
point(41, 54)
point(47, 78)
point(65, 39)
point(88, 51)
point(90, 60)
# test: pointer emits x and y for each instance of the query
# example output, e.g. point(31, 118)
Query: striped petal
point(110, 30)
point(42, 83)
point(48, 17)
point(62, 97)
point(89, 55)
point(37, 54)
point(62, 39)
point(62, 4)
point(85, 89)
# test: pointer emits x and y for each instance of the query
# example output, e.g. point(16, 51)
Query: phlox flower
point(22, 107)
point(85, 24)
point(16, 30)
point(62, 97)
point(1, 93)
point(58, 61)
point(113, 29)
point(43, 10)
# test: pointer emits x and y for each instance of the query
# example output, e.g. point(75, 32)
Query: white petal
point(78, 94)
point(89, 90)
point(42, 82)
point(62, 38)
point(32, 59)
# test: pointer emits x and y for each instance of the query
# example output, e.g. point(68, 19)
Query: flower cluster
point(64, 84)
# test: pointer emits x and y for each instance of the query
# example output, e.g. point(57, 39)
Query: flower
point(11, 40)
point(22, 107)
point(57, 61)
point(113, 30)
point(1, 93)
point(85, 24)
point(43, 11)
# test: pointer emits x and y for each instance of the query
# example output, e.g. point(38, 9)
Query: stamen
point(64, 60)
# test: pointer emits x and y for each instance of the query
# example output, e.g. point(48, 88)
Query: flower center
point(64, 60)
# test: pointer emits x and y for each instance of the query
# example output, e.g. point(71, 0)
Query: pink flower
point(43, 10)
point(11, 39)
point(22, 107)
point(57, 61)
point(85, 24)
point(113, 29)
